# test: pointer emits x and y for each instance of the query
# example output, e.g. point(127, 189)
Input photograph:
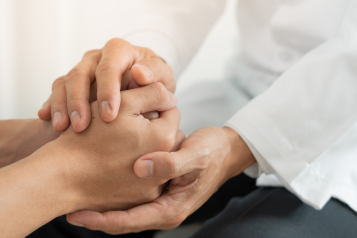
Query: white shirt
point(303, 129)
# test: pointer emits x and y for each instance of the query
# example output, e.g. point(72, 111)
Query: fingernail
point(174, 99)
point(76, 224)
point(57, 117)
point(75, 118)
point(146, 71)
point(105, 109)
point(146, 169)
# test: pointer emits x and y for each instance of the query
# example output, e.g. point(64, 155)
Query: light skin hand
point(204, 161)
point(100, 76)
point(93, 169)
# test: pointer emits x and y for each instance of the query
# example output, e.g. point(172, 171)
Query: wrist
point(30, 135)
point(33, 192)
point(239, 157)
point(12, 144)
point(52, 160)
point(71, 174)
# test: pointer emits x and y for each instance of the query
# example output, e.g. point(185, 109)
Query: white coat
point(300, 57)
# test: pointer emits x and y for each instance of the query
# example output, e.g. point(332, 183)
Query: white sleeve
point(306, 111)
point(173, 29)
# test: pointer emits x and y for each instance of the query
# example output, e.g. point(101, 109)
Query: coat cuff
point(261, 166)
point(274, 154)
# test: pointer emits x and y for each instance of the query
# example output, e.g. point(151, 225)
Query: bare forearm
point(20, 138)
point(32, 193)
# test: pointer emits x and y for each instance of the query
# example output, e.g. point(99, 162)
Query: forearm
point(32, 193)
point(20, 138)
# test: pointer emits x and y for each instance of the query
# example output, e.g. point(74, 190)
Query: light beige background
point(41, 40)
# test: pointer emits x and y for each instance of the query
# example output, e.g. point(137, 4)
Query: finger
point(59, 115)
point(180, 137)
point(127, 81)
point(133, 84)
point(117, 57)
point(154, 97)
point(151, 115)
point(45, 112)
point(78, 86)
point(169, 165)
point(167, 124)
point(150, 70)
point(93, 92)
point(163, 215)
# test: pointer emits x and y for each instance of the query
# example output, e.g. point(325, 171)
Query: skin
point(204, 161)
point(100, 76)
point(90, 170)
point(23, 137)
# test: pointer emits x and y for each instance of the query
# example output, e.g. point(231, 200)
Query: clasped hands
point(119, 153)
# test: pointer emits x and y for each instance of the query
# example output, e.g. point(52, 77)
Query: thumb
point(180, 137)
point(167, 165)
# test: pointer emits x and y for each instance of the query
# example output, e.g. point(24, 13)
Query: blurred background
point(41, 40)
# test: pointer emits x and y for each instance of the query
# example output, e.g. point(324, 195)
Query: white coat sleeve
point(304, 113)
point(173, 29)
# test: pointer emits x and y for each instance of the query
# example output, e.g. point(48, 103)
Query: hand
point(99, 76)
point(205, 160)
point(99, 161)
point(90, 170)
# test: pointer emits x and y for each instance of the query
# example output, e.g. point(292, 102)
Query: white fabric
point(304, 127)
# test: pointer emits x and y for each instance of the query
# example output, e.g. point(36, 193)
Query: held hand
point(100, 76)
point(205, 160)
point(99, 161)
point(90, 170)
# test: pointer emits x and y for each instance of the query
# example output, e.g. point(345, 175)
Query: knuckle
point(168, 141)
point(169, 70)
point(122, 44)
point(58, 82)
point(147, 51)
point(105, 67)
point(159, 90)
point(204, 162)
point(75, 73)
point(116, 41)
point(173, 166)
point(73, 103)
point(91, 52)
point(126, 46)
